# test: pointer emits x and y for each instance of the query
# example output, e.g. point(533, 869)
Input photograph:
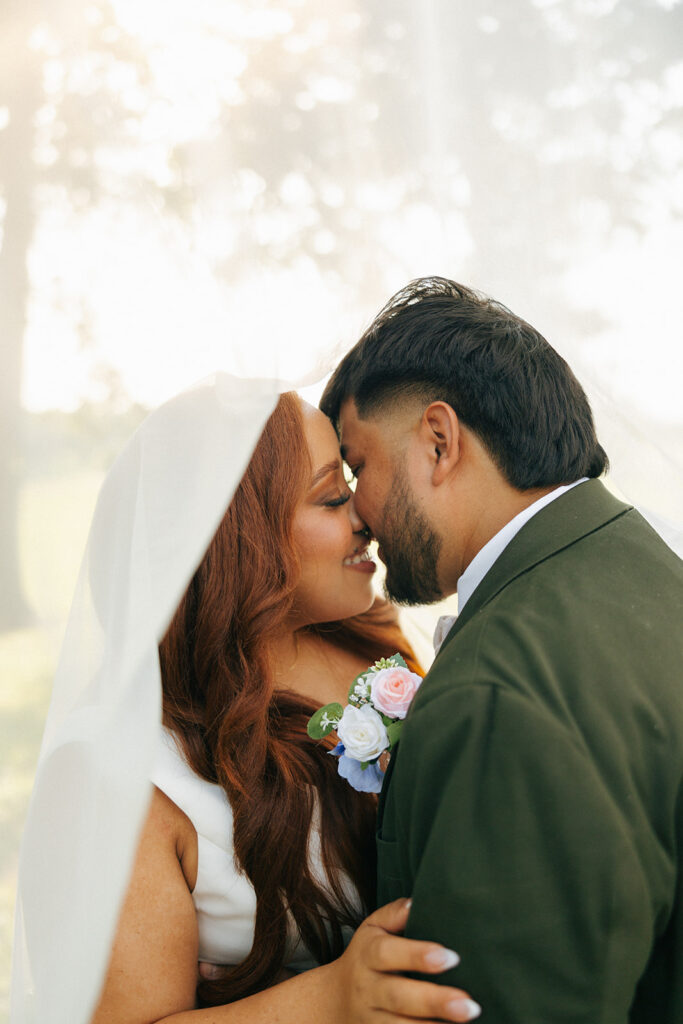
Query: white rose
point(362, 732)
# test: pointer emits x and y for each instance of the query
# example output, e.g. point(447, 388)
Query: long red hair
point(237, 730)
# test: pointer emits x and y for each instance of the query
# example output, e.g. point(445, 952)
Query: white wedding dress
point(224, 898)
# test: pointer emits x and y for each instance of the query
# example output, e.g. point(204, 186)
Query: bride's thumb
point(392, 916)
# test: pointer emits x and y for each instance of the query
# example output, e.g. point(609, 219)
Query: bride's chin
point(356, 604)
point(363, 604)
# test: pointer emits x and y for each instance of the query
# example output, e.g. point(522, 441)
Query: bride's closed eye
point(338, 501)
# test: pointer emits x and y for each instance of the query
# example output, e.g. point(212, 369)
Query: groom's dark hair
point(436, 340)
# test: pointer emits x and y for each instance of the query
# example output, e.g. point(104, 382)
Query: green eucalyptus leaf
point(394, 732)
point(324, 721)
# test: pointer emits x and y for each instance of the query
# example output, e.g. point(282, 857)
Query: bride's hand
point(371, 991)
point(364, 985)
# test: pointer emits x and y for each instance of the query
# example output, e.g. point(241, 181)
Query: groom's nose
point(357, 523)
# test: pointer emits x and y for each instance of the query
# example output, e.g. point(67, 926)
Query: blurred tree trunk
point(22, 96)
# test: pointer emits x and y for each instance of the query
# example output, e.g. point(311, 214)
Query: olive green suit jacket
point(534, 806)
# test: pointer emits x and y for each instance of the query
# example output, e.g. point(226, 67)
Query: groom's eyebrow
point(330, 467)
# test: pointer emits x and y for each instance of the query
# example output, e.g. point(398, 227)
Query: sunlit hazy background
point(240, 184)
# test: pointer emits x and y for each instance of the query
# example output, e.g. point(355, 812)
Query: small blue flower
point(338, 750)
point(364, 781)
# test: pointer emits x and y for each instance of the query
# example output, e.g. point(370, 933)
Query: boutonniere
point(370, 723)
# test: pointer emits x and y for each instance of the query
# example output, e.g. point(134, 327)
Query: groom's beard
point(410, 550)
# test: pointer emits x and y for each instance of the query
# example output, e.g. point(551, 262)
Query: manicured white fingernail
point(442, 958)
point(408, 904)
point(464, 1007)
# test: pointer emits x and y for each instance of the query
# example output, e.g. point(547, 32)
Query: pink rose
point(393, 689)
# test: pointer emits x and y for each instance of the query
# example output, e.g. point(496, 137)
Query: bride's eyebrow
point(329, 467)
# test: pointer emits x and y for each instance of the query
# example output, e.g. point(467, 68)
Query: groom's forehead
point(352, 429)
point(356, 434)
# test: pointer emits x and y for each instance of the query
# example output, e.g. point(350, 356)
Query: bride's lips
point(360, 561)
point(367, 566)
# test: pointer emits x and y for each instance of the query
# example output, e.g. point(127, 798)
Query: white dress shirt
point(490, 553)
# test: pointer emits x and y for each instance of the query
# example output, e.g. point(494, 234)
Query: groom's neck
point(482, 505)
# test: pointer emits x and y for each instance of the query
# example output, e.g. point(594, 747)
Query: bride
point(254, 853)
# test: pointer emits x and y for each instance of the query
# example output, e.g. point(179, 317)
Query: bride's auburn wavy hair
point(237, 730)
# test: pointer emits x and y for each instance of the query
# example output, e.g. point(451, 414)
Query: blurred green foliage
point(90, 438)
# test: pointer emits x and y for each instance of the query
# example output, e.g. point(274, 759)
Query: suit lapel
point(573, 515)
point(385, 787)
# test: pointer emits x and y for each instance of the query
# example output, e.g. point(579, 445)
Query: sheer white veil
point(159, 507)
point(321, 156)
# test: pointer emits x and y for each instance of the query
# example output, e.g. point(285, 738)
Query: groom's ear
point(440, 433)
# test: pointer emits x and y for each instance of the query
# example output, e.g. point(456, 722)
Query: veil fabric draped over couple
point(159, 507)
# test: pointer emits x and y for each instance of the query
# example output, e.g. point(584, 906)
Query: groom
point(534, 807)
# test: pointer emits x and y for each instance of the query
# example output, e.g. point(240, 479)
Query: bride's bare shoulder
point(157, 934)
point(168, 826)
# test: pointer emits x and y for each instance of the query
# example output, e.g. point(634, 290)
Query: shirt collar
point(492, 550)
